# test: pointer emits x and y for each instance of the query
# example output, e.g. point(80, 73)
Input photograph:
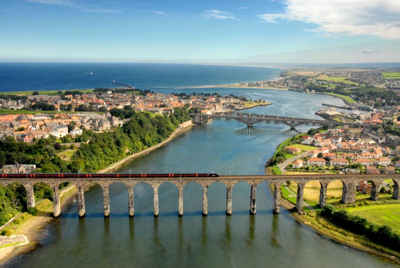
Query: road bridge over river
point(251, 119)
point(83, 181)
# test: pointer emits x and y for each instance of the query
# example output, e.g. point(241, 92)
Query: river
point(225, 147)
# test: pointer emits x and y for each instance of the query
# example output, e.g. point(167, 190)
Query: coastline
point(236, 85)
point(32, 228)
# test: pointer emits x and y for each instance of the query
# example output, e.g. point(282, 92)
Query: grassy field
point(343, 97)
point(336, 79)
point(67, 154)
point(391, 75)
point(384, 214)
point(304, 148)
point(312, 190)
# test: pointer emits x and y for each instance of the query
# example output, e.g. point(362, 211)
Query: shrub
point(32, 211)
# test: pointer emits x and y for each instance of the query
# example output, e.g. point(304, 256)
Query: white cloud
point(272, 18)
point(354, 17)
point(71, 4)
point(159, 12)
point(219, 14)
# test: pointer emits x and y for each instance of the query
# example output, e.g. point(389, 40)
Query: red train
point(114, 175)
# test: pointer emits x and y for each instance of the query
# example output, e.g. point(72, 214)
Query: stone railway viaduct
point(130, 180)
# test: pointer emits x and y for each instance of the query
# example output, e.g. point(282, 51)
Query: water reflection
point(252, 228)
point(106, 226)
point(131, 228)
point(275, 232)
point(228, 235)
point(204, 231)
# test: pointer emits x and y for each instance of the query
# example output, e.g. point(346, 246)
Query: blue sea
point(55, 76)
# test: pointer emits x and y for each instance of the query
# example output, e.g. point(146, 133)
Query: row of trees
point(363, 94)
point(102, 149)
point(143, 130)
point(382, 235)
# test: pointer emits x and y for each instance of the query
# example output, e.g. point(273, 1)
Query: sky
point(239, 32)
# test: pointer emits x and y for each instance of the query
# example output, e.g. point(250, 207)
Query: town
point(67, 113)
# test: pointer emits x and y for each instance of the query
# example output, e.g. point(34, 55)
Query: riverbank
point(326, 229)
point(251, 105)
point(311, 217)
point(185, 126)
point(32, 226)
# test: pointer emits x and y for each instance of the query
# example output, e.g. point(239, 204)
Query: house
point(329, 155)
point(320, 162)
point(59, 132)
point(373, 170)
point(76, 132)
point(298, 163)
point(339, 162)
point(389, 170)
point(384, 161)
point(293, 150)
point(18, 168)
point(365, 162)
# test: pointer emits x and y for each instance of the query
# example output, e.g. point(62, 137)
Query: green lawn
point(391, 75)
point(336, 79)
point(343, 97)
point(67, 154)
point(303, 147)
point(385, 214)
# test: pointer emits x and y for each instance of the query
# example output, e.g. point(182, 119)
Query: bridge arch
point(334, 190)
point(371, 186)
point(143, 196)
point(168, 190)
point(192, 196)
point(312, 191)
point(215, 189)
point(117, 194)
point(22, 199)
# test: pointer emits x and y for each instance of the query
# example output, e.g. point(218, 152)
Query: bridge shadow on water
point(268, 230)
point(197, 213)
point(258, 130)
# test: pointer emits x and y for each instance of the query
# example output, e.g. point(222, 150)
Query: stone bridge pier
point(30, 195)
point(322, 194)
point(253, 192)
point(349, 192)
point(396, 192)
point(204, 198)
point(56, 200)
point(81, 200)
point(276, 187)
